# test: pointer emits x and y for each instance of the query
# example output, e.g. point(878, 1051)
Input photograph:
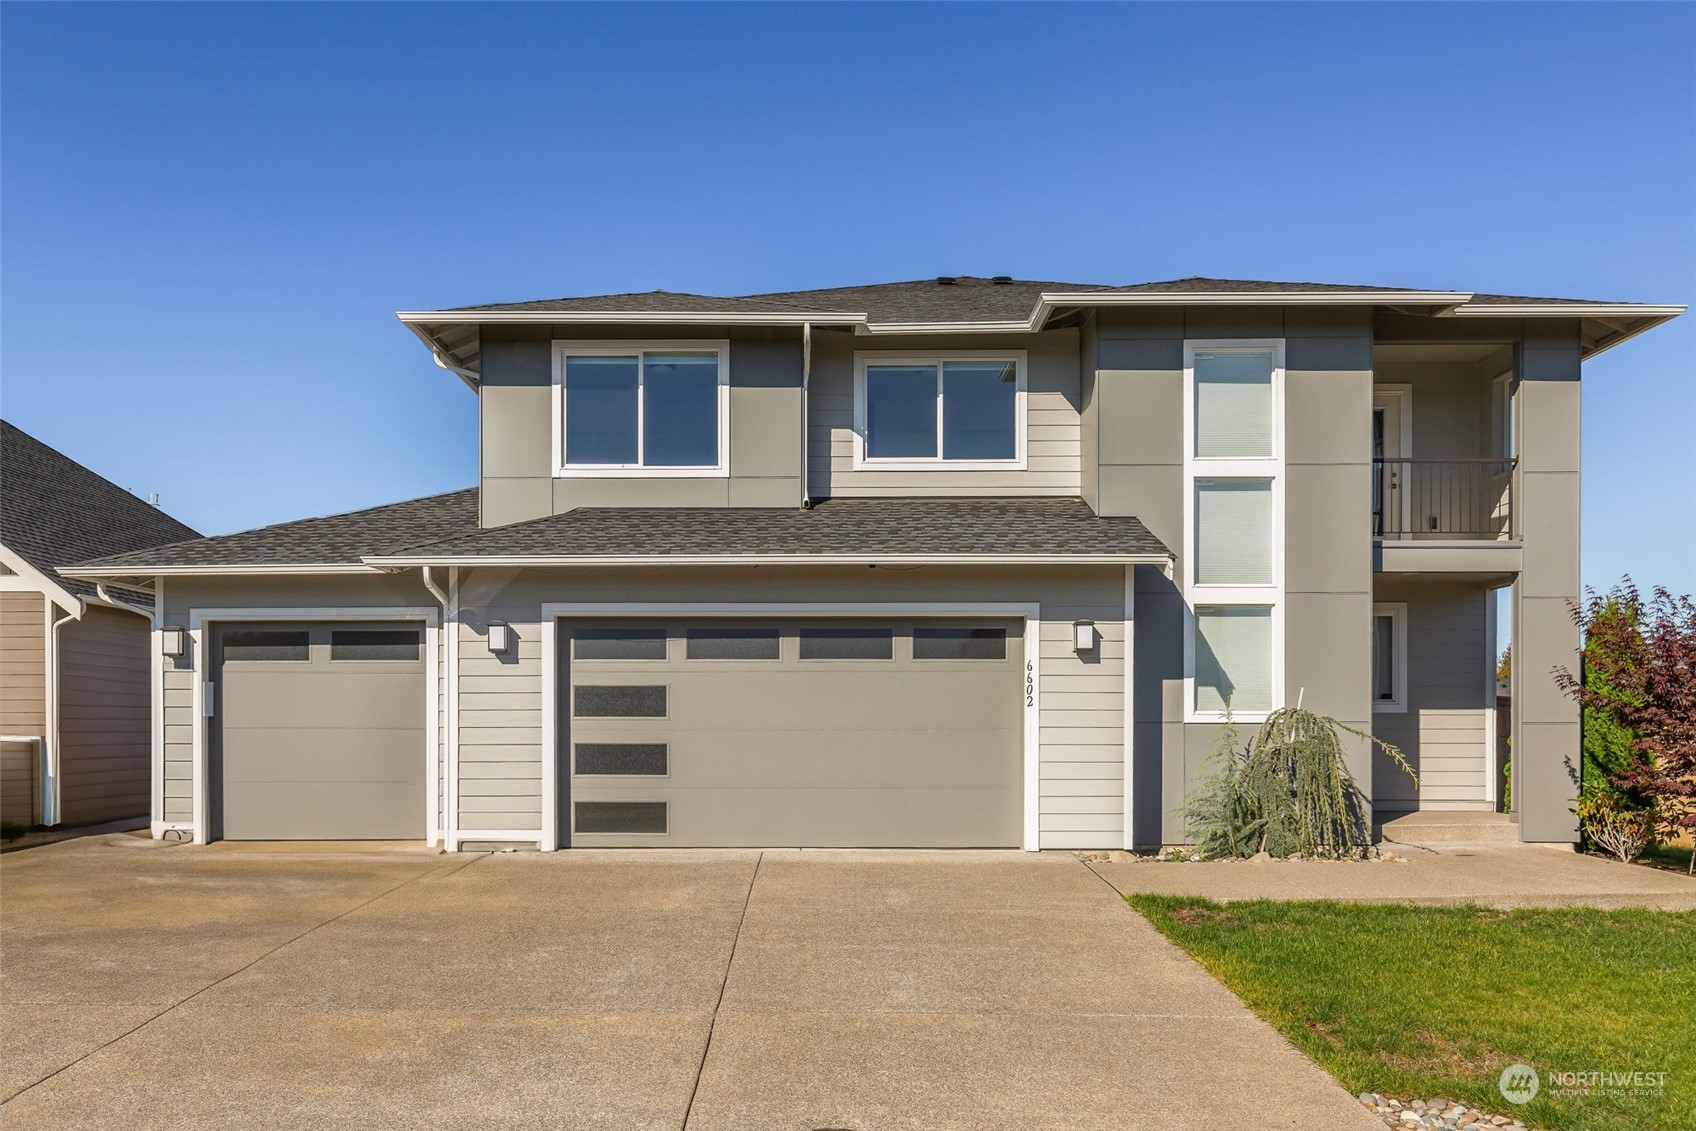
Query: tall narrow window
point(1389, 657)
point(1233, 471)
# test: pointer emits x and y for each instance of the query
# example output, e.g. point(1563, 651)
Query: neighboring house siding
point(23, 691)
point(23, 663)
point(1053, 408)
point(1081, 697)
point(1442, 732)
point(517, 443)
point(104, 706)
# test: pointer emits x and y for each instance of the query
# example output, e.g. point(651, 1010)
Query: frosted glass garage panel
point(1233, 404)
point(1233, 532)
point(1233, 658)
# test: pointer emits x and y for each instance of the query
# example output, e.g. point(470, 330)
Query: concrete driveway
point(147, 985)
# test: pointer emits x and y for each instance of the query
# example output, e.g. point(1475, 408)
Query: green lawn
point(1417, 1002)
point(1672, 856)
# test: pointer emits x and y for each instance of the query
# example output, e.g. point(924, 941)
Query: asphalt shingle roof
point(54, 511)
point(339, 539)
point(893, 526)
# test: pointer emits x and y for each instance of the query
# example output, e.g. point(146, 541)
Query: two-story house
point(962, 561)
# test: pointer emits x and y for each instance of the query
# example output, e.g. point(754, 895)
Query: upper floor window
point(932, 410)
point(642, 409)
point(1233, 402)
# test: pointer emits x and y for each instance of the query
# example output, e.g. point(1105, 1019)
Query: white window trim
point(1216, 467)
point(1397, 612)
point(566, 348)
point(863, 462)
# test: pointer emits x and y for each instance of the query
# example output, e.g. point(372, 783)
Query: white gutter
point(117, 603)
point(806, 378)
point(1566, 310)
point(94, 573)
point(444, 359)
point(50, 749)
point(633, 317)
point(539, 560)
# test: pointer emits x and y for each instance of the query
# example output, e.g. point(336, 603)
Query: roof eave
point(627, 317)
point(119, 570)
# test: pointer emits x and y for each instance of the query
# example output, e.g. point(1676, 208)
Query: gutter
point(50, 795)
point(590, 561)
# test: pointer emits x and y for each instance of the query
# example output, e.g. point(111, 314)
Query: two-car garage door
point(858, 733)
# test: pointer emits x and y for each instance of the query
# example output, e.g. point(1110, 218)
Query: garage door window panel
point(268, 645)
point(847, 643)
point(621, 817)
point(733, 644)
point(964, 643)
point(396, 644)
point(622, 759)
point(618, 644)
point(600, 701)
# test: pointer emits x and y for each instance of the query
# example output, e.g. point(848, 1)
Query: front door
point(1390, 470)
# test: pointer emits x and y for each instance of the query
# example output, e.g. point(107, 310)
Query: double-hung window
point(623, 409)
point(933, 410)
point(1233, 569)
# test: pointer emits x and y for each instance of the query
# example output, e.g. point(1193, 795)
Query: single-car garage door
point(808, 733)
point(319, 731)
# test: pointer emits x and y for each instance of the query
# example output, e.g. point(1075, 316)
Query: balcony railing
point(1443, 498)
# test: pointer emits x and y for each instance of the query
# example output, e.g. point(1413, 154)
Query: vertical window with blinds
point(1233, 471)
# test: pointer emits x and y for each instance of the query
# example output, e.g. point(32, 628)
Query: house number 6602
point(1030, 683)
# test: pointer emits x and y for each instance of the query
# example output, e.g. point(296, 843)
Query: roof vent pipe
point(1001, 280)
point(946, 280)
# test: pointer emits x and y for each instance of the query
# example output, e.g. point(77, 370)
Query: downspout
point(50, 752)
point(806, 423)
point(438, 774)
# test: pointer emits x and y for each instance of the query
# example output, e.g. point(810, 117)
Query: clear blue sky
point(211, 212)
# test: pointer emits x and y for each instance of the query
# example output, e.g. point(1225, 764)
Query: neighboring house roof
point(998, 305)
point(444, 528)
point(334, 540)
point(853, 529)
point(54, 511)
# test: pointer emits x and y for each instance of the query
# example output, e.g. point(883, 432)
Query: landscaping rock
point(1439, 1114)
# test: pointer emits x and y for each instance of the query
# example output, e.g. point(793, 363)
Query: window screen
point(618, 644)
point(620, 702)
point(959, 643)
point(733, 643)
point(1233, 658)
point(1233, 403)
point(374, 644)
point(633, 758)
point(1233, 531)
point(268, 644)
point(620, 816)
point(847, 643)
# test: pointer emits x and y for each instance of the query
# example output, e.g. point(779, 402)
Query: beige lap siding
point(500, 722)
point(179, 676)
point(1053, 435)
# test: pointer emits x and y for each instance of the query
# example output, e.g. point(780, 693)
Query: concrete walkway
point(1491, 875)
point(147, 985)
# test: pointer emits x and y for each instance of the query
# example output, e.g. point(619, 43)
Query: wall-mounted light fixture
point(500, 637)
point(1083, 636)
point(173, 642)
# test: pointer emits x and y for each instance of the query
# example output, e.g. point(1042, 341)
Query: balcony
point(1444, 515)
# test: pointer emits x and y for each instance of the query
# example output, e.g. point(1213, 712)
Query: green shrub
point(1289, 791)
point(11, 830)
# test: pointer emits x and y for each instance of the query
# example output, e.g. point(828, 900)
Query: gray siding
point(105, 744)
point(517, 436)
point(1053, 403)
point(1442, 732)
